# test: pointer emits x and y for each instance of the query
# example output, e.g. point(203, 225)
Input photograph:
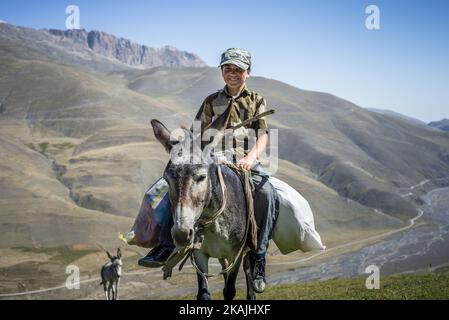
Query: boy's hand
point(246, 163)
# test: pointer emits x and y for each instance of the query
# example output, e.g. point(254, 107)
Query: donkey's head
point(189, 173)
point(116, 261)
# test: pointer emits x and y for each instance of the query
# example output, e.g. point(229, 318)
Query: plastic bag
point(152, 215)
point(295, 227)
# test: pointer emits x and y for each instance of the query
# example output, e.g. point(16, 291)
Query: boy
point(236, 66)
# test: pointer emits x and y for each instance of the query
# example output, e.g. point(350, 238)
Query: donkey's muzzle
point(182, 237)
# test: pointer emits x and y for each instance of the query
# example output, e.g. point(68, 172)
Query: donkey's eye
point(199, 177)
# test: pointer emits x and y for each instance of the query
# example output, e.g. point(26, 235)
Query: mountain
point(398, 115)
point(92, 50)
point(124, 50)
point(78, 152)
point(442, 124)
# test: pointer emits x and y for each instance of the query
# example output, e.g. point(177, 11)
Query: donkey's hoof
point(259, 285)
point(251, 296)
point(229, 295)
point(204, 296)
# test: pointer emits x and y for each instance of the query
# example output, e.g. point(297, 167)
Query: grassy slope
point(417, 286)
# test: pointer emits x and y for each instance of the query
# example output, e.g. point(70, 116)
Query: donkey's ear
point(119, 253)
point(109, 255)
point(162, 134)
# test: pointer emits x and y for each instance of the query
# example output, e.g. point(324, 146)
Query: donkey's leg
point(224, 265)
point(250, 294)
point(230, 279)
point(202, 261)
point(105, 290)
point(203, 288)
point(114, 290)
point(110, 290)
point(117, 283)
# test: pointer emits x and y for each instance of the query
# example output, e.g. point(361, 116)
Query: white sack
point(295, 227)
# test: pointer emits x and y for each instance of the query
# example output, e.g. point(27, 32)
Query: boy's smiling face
point(233, 76)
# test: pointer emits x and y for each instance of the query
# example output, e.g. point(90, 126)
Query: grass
point(418, 286)
point(43, 147)
point(61, 255)
point(33, 275)
point(64, 146)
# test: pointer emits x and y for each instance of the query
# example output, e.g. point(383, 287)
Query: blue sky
point(320, 45)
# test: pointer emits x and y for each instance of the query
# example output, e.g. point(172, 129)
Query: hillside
point(442, 124)
point(90, 125)
point(421, 286)
point(77, 151)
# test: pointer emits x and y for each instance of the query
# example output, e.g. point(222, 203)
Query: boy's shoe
point(258, 273)
point(156, 257)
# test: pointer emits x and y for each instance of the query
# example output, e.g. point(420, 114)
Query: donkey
point(110, 275)
point(197, 193)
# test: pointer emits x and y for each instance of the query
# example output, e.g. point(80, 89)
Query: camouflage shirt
point(245, 106)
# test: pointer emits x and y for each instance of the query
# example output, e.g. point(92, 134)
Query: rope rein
point(183, 254)
point(211, 220)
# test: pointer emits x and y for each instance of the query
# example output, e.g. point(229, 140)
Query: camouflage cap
point(236, 56)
